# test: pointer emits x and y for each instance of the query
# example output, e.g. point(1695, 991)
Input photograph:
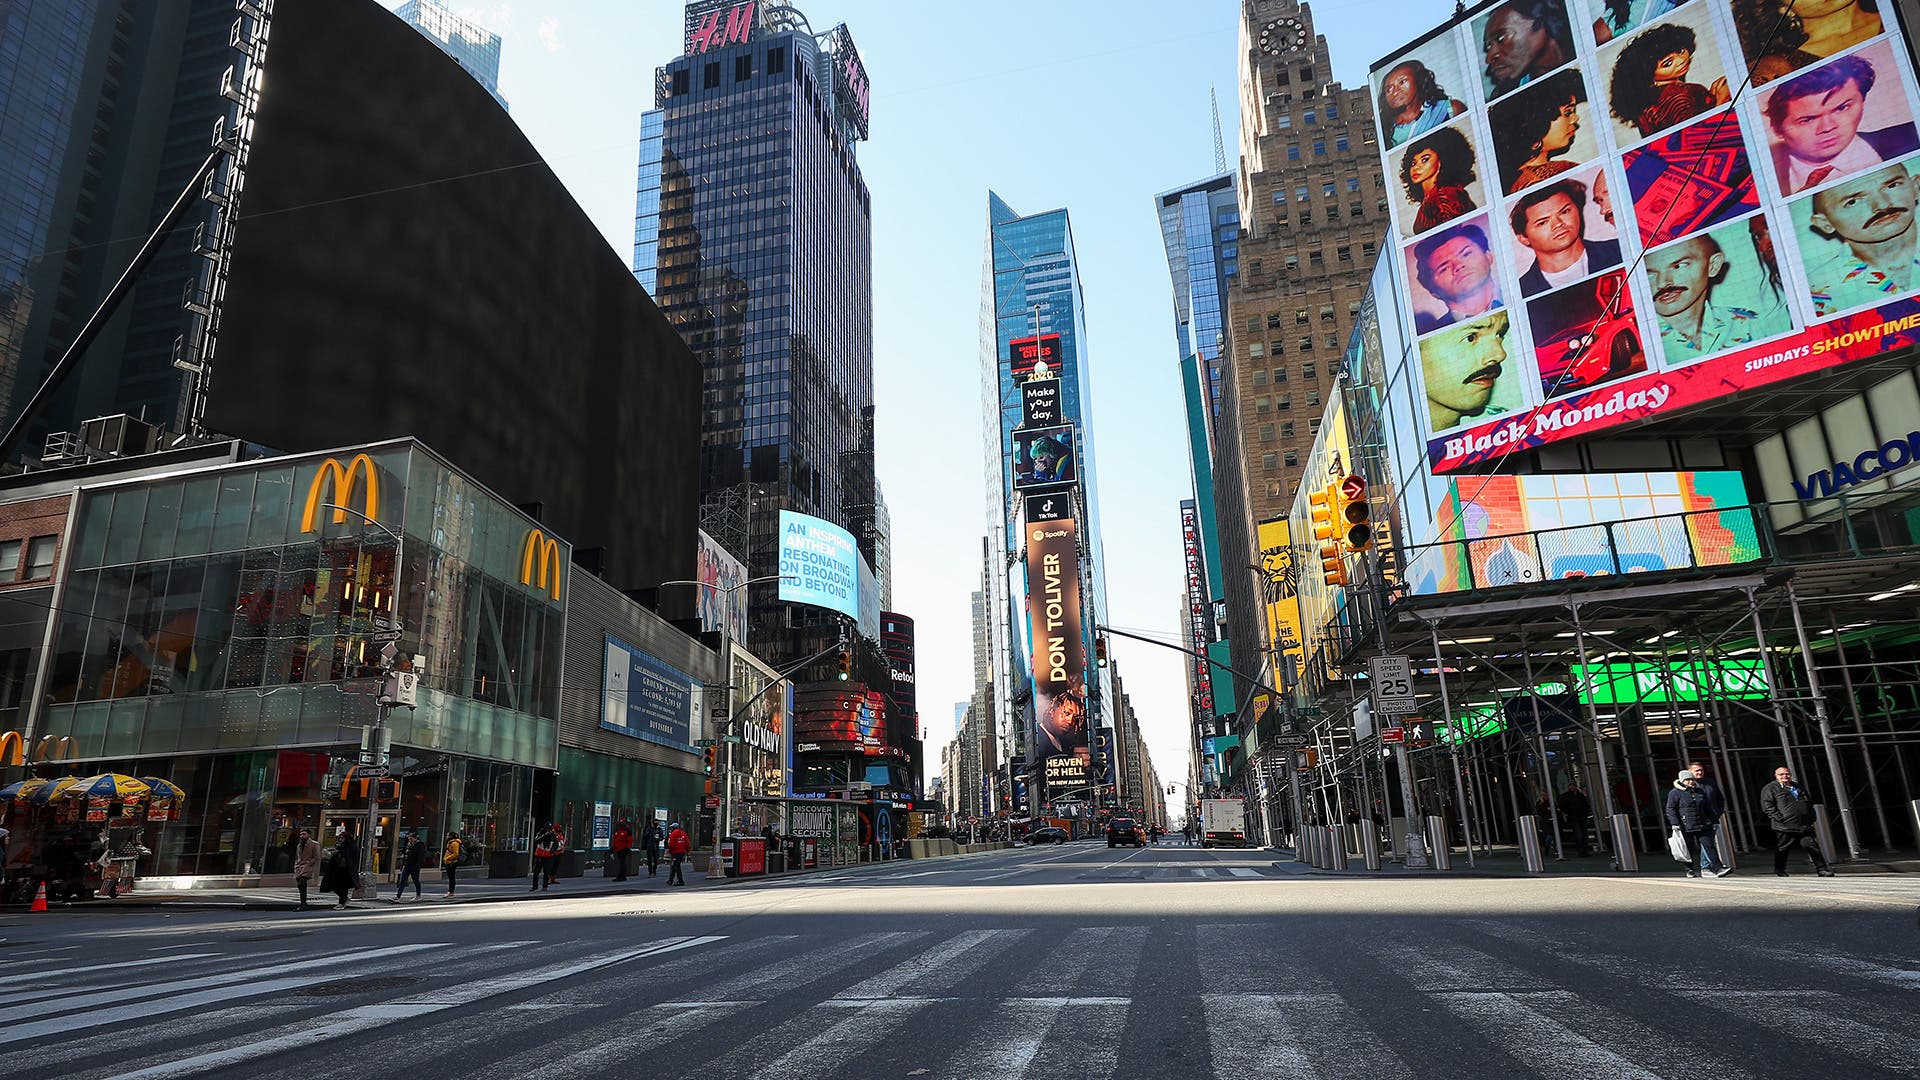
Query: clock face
point(1282, 34)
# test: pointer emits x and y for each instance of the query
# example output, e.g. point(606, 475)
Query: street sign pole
point(1392, 686)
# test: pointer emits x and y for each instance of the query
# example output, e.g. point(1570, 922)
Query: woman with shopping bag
point(1694, 814)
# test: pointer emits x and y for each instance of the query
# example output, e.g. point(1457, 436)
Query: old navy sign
point(1867, 465)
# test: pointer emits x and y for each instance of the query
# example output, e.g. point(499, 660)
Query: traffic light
point(1324, 508)
point(1357, 510)
point(1333, 567)
point(846, 664)
point(1100, 651)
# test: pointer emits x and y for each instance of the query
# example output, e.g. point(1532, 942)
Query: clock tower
point(1313, 213)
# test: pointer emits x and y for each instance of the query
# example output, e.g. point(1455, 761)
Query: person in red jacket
point(622, 848)
point(677, 847)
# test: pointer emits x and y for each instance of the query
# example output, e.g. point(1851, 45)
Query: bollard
point(1310, 845)
point(1823, 832)
point(1439, 846)
point(1337, 847)
point(1370, 845)
point(1626, 858)
point(1529, 832)
point(1397, 838)
point(1725, 833)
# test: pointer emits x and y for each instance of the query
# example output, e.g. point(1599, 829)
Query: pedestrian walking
point(621, 847)
point(678, 845)
point(343, 870)
point(650, 842)
point(306, 863)
point(450, 862)
point(546, 847)
point(413, 858)
point(1789, 810)
point(1692, 809)
point(1575, 809)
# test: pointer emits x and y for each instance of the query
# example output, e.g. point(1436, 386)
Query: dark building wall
point(405, 264)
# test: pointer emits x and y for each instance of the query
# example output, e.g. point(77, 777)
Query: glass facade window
point(10, 560)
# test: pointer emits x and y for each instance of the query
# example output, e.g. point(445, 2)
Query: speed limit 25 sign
point(1392, 678)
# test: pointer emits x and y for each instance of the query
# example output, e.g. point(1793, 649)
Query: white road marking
point(944, 965)
point(1544, 1044)
point(1241, 871)
point(1105, 956)
point(1833, 1027)
point(1019, 1029)
point(829, 1048)
point(1248, 1037)
point(794, 972)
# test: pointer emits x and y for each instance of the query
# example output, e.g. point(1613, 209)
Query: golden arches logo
point(542, 554)
point(342, 478)
point(13, 749)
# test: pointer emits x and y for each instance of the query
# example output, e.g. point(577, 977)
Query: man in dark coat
point(1575, 808)
point(650, 842)
point(1690, 807)
point(1789, 810)
point(413, 857)
point(343, 870)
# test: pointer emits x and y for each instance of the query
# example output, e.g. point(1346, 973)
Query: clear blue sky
point(1096, 107)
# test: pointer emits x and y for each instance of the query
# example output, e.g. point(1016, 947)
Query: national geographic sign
point(1053, 619)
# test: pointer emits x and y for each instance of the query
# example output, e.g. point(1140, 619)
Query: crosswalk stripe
point(793, 973)
point(1305, 1034)
point(654, 1027)
point(59, 981)
point(1834, 1027)
point(1546, 1045)
point(1088, 958)
point(943, 965)
point(1019, 1031)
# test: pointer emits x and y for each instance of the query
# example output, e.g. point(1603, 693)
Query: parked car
point(1123, 830)
point(1048, 835)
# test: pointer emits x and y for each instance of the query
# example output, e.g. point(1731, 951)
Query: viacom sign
point(1867, 465)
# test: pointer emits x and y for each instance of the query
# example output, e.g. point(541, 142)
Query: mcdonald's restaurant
point(224, 622)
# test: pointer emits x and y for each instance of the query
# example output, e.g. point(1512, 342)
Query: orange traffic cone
point(40, 898)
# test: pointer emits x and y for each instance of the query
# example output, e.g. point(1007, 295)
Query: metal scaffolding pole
point(1899, 755)
point(1860, 735)
point(1593, 721)
point(1540, 744)
point(1773, 686)
point(1453, 744)
point(1825, 723)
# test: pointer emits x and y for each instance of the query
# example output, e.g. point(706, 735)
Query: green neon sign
point(1650, 684)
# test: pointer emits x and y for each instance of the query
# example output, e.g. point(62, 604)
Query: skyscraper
point(1054, 701)
point(1313, 207)
point(471, 45)
point(753, 233)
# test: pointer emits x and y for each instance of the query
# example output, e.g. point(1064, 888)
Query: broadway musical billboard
point(1612, 212)
point(1053, 624)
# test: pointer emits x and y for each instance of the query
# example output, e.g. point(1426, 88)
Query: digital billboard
point(1612, 212)
point(648, 698)
point(1198, 629)
point(1043, 457)
point(722, 601)
point(1040, 403)
point(1059, 656)
point(1025, 355)
point(819, 564)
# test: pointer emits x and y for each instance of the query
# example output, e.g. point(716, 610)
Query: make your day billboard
point(1611, 211)
point(819, 564)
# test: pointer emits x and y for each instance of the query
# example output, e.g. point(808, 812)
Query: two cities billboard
point(1610, 212)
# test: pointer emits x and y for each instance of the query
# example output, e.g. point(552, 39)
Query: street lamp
point(384, 700)
point(715, 869)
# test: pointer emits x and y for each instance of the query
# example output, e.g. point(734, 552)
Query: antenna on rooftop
point(1219, 145)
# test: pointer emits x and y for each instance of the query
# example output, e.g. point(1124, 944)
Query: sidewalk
point(470, 891)
point(1505, 861)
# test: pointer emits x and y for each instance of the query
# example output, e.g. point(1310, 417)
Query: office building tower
point(753, 233)
point(475, 48)
point(1045, 573)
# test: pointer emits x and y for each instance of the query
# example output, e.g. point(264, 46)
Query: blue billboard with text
point(819, 564)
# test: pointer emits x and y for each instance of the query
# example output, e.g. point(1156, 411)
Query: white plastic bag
point(1677, 844)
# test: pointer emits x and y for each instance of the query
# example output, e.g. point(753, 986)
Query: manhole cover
point(339, 987)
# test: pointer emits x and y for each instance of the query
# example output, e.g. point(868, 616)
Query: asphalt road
point(1076, 961)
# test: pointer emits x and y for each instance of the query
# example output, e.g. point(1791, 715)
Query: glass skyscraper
point(472, 46)
point(1032, 291)
point(753, 233)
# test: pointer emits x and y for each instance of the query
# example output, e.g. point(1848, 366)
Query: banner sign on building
point(1025, 355)
point(1044, 457)
point(648, 698)
point(724, 601)
point(1591, 239)
point(901, 693)
point(1067, 773)
point(851, 91)
point(1049, 505)
point(715, 24)
point(819, 564)
point(1197, 626)
point(1280, 582)
point(1651, 684)
point(1040, 403)
point(1053, 614)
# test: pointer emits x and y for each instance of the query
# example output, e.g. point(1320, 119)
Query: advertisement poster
point(1197, 626)
point(725, 602)
point(1053, 615)
point(1034, 357)
point(647, 698)
point(819, 564)
point(1280, 581)
point(1613, 212)
point(602, 826)
point(1043, 457)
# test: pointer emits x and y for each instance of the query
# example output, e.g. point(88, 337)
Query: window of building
point(1326, 312)
point(1353, 183)
point(1381, 206)
point(1273, 489)
point(1293, 153)
point(1314, 258)
point(1333, 111)
point(40, 557)
point(1300, 317)
point(1342, 144)
point(1266, 432)
point(680, 81)
point(1279, 376)
point(10, 560)
point(1256, 348)
point(1326, 191)
point(1310, 371)
point(1306, 344)
point(1292, 458)
point(1368, 249)
point(1307, 94)
point(743, 68)
point(1313, 400)
point(1263, 405)
point(1278, 348)
point(1306, 75)
point(776, 61)
point(1333, 343)
point(1280, 197)
point(1283, 121)
point(1253, 325)
point(1319, 148)
point(1306, 217)
point(1273, 321)
point(710, 76)
point(1260, 377)
point(1300, 194)
point(1286, 429)
point(1313, 425)
point(1293, 262)
point(1311, 118)
point(1353, 309)
point(1280, 76)
point(1356, 210)
point(1269, 462)
point(1344, 254)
